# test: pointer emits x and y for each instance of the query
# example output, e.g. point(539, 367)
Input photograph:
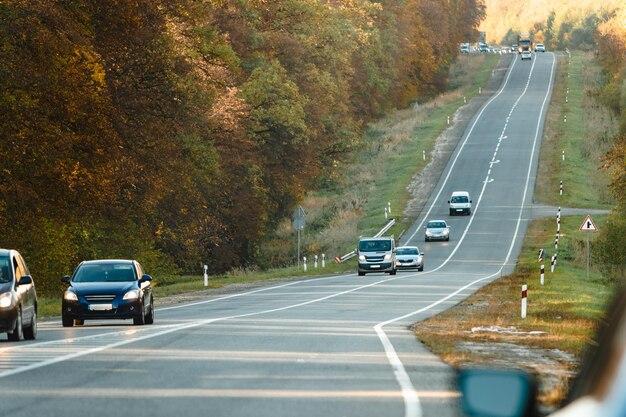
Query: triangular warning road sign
point(588, 225)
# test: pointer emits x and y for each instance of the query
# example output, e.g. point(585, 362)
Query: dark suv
point(18, 298)
point(108, 289)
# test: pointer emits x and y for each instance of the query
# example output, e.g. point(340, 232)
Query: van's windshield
point(459, 199)
point(374, 245)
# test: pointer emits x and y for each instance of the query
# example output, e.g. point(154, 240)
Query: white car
point(526, 55)
point(409, 257)
point(540, 47)
point(437, 230)
point(460, 203)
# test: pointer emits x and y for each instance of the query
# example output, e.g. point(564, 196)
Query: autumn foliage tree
point(180, 132)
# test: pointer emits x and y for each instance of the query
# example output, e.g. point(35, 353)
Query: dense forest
point(179, 132)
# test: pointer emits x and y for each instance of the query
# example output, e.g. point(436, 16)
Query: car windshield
point(408, 251)
point(436, 225)
point(5, 270)
point(106, 272)
point(459, 199)
point(374, 245)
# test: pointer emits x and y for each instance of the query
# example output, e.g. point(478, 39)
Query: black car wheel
point(150, 315)
point(67, 321)
point(451, 212)
point(393, 272)
point(140, 320)
point(79, 322)
point(30, 332)
point(361, 273)
point(421, 268)
point(18, 331)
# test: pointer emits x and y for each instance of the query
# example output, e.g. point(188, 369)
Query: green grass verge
point(566, 308)
point(585, 137)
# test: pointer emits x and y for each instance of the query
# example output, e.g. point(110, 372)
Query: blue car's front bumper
point(80, 310)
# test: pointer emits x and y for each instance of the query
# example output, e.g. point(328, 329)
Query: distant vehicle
point(483, 47)
point(376, 254)
point(108, 289)
point(437, 230)
point(18, 298)
point(524, 43)
point(526, 55)
point(464, 48)
point(540, 47)
point(460, 202)
point(408, 257)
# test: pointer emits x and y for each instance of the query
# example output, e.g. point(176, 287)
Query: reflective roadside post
point(323, 260)
point(206, 275)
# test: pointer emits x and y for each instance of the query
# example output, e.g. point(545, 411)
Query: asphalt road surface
point(335, 346)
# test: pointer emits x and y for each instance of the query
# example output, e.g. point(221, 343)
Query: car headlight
point(446, 231)
point(6, 300)
point(361, 257)
point(429, 233)
point(70, 296)
point(132, 295)
point(387, 257)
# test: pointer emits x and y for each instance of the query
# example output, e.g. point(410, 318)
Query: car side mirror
point(66, 279)
point(497, 393)
point(448, 201)
point(470, 201)
point(146, 278)
point(25, 280)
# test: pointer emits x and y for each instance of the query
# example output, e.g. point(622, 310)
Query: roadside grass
point(585, 137)
point(566, 308)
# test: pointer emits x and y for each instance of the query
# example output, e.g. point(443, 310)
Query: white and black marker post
point(423, 155)
point(323, 260)
point(561, 188)
point(552, 263)
point(540, 255)
point(304, 263)
point(315, 262)
point(206, 275)
point(563, 155)
point(386, 215)
point(524, 300)
point(389, 207)
point(542, 274)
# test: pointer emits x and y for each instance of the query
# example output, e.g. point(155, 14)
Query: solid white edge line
point(411, 399)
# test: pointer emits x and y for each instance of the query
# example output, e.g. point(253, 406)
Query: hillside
point(181, 132)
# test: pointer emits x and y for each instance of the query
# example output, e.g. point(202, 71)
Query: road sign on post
point(588, 226)
point(299, 220)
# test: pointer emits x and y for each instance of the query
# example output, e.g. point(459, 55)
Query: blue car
point(108, 289)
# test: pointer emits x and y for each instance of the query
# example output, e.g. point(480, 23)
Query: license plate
point(459, 209)
point(100, 307)
point(374, 266)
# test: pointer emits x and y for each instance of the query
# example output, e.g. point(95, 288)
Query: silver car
point(409, 257)
point(437, 230)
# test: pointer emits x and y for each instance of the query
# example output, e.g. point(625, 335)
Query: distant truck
point(483, 47)
point(524, 43)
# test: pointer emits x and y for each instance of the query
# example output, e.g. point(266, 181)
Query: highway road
point(330, 346)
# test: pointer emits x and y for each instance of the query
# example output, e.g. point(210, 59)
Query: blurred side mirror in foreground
point(497, 393)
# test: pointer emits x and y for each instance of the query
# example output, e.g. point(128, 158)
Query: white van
point(460, 203)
